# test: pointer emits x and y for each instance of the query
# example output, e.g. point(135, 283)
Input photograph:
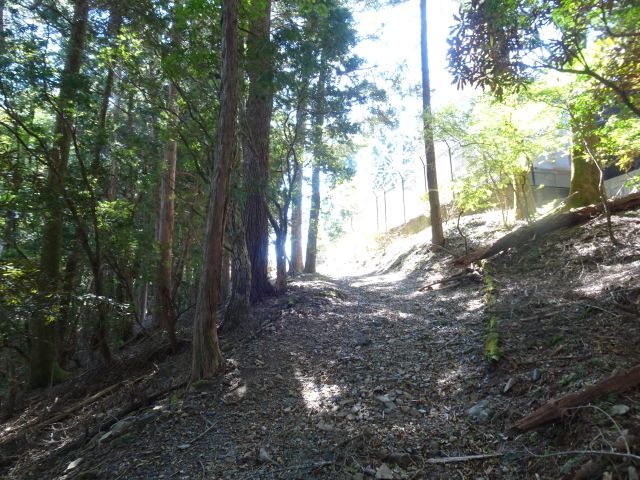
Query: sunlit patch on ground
point(315, 394)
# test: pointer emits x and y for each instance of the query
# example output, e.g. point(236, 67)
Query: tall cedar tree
point(255, 149)
point(437, 234)
point(206, 350)
point(44, 369)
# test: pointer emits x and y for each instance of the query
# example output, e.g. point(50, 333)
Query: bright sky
point(398, 43)
point(398, 29)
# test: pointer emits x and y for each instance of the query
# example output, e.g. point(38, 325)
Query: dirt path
point(366, 377)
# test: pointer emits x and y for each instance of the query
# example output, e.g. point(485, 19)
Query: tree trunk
point(297, 263)
point(258, 110)
point(437, 234)
point(44, 369)
point(165, 312)
point(225, 274)
point(523, 196)
point(115, 21)
point(236, 313)
point(66, 336)
point(584, 188)
point(206, 350)
point(318, 147)
point(281, 260)
point(143, 302)
point(314, 217)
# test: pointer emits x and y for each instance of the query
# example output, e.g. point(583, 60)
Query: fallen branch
point(549, 224)
point(87, 401)
point(465, 458)
point(557, 408)
point(198, 437)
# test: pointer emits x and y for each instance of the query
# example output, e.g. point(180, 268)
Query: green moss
point(492, 346)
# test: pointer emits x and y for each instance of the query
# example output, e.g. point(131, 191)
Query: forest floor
point(370, 377)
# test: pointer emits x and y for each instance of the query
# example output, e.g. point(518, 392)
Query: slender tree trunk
point(44, 369)
point(143, 302)
point(206, 350)
point(115, 21)
point(314, 212)
point(377, 216)
point(259, 66)
point(66, 337)
point(165, 312)
point(314, 218)
point(10, 233)
point(437, 234)
point(281, 259)
point(453, 193)
point(99, 338)
point(225, 274)
point(297, 263)
point(523, 197)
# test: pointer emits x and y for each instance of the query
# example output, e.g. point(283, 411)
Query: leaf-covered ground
point(372, 377)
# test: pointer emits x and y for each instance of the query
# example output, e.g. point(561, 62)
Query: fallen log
point(549, 224)
point(467, 273)
point(557, 408)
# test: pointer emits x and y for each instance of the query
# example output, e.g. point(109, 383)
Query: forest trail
point(370, 377)
point(349, 374)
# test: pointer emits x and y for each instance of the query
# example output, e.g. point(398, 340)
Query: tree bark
point(258, 111)
point(314, 218)
point(523, 196)
point(297, 263)
point(437, 234)
point(165, 312)
point(318, 147)
point(44, 369)
point(281, 260)
point(66, 335)
point(237, 309)
point(584, 188)
point(207, 356)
